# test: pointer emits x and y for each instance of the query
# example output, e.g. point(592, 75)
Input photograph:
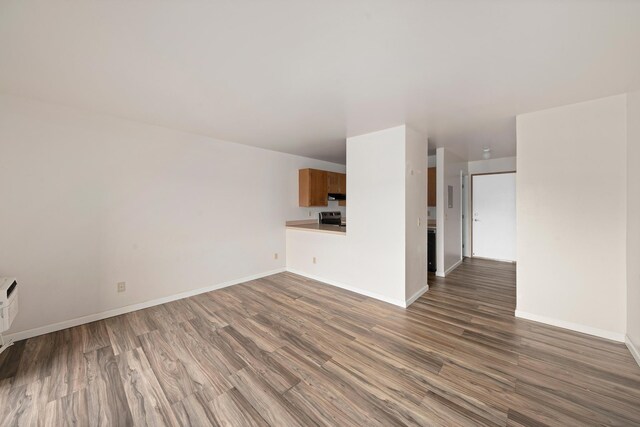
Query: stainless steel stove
point(331, 218)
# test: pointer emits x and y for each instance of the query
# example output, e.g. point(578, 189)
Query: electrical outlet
point(122, 286)
point(275, 255)
point(314, 260)
point(310, 213)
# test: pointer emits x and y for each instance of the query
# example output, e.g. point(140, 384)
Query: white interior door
point(494, 216)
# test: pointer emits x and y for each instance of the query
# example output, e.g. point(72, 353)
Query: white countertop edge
point(339, 233)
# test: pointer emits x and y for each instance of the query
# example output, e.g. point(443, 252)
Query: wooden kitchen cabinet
point(333, 182)
point(431, 188)
point(337, 182)
point(315, 185)
point(312, 187)
point(343, 188)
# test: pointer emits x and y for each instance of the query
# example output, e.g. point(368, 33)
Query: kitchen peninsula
point(383, 255)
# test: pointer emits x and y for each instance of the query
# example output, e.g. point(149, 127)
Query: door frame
point(471, 208)
point(464, 213)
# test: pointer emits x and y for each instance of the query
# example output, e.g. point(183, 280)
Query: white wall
point(332, 253)
point(633, 221)
point(90, 200)
point(449, 220)
point(502, 164)
point(383, 254)
point(571, 215)
point(415, 214)
point(376, 169)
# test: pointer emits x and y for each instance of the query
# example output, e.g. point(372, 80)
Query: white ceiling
point(300, 76)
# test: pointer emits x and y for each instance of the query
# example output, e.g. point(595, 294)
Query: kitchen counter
point(313, 226)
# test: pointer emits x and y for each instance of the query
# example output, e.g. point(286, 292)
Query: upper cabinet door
point(343, 188)
point(343, 183)
point(333, 182)
point(312, 187)
point(431, 186)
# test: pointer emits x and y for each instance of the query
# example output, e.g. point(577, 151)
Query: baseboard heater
point(8, 307)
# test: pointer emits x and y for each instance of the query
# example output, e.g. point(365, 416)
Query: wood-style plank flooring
point(286, 351)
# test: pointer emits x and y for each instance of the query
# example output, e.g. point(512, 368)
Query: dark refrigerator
point(431, 250)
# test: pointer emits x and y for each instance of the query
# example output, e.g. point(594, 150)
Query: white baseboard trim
point(635, 352)
point(417, 295)
point(399, 303)
point(509, 261)
point(453, 267)
point(449, 270)
point(614, 336)
point(30, 333)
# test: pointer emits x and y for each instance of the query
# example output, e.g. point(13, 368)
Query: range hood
point(337, 196)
